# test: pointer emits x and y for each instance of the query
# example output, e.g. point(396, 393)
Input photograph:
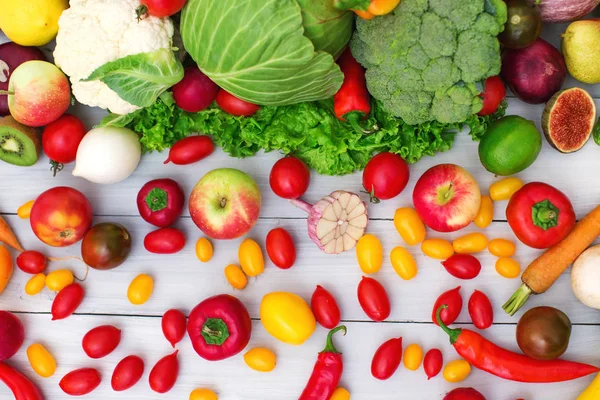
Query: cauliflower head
point(428, 59)
point(94, 32)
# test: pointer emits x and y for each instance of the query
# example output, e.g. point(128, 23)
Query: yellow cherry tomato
point(140, 289)
point(260, 359)
point(457, 371)
point(369, 253)
point(59, 279)
point(485, 215)
point(35, 284)
point(41, 360)
point(439, 249)
point(382, 7)
point(25, 210)
point(203, 394)
point(236, 277)
point(287, 317)
point(404, 263)
point(409, 226)
point(340, 394)
point(501, 247)
point(204, 250)
point(505, 188)
point(413, 356)
point(470, 243)
point(364, 14)
point(251, 258)
point(508, 267)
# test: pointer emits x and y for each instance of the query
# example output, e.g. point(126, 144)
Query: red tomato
point(493, 94)
point(325, 308)
point(385, 176)
point(160, 202)
point(127, 373)
point(453, 300)
point(173, 325)
point(289, 178)
point(234, 106)
point(66, 301)
point(162, 8)
point(373, 299)
point(190, 150)
point(101, 341)
point(480, 310)
point(462, 266)
point(464, 394)
point(433, 363)
point(32, 262)
point(387, 359)
point(195, 92)
point(164, 241)
point(61, 139)
point(80, 382)
point(281, 248)
point(164, 374)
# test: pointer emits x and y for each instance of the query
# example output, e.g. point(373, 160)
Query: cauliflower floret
point(94, 32)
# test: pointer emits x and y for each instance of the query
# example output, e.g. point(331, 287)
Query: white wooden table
point(181, 281)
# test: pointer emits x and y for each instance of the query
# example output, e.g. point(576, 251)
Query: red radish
point(385, 176)
point(80, 382)
point(164, 374)
point(289, 178)
point(32, 262)
point(173, 325)
point(195, 92)
point(234, 106)
point(190, 150)
point(164, 241)
point(66, 301)
point(336, 222)
point(12, 335)
point(127, 373)
point(101, 341)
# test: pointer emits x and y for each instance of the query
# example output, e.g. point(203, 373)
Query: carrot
point(6, 267)
point(541, 274)
point(8, 237)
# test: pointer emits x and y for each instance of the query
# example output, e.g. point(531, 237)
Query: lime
point(509, 145)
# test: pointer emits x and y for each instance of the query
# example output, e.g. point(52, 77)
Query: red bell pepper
point(19, 384)
point(352, 102)
point(464, 394)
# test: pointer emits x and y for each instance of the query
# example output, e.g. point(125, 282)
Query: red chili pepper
point(489, 357)
point(454, 302)
point(433, 363)
point(327, 371)
point(352, 102)
point(19, 384)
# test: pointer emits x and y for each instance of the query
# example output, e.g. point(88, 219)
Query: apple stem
point(6, 92)
point(223, 202)
point(302, 205)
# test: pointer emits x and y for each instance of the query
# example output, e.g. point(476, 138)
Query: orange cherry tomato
point(439, 249)
point(485, 215)
point(251, 258)
point(501, 247)
point(404, 263)
point(25, 210)
point(457, 371)
point(508, 267)
point(505, 188)
point(409, 226)
point(413, 356)
point(369, 253)
point(35, 284)
point(260, 359)
point(235, 276)
point(204, 250)
point(470, 243)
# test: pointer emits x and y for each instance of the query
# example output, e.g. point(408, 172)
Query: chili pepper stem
point(330, 347)
point(452, 333)
point(517, 300)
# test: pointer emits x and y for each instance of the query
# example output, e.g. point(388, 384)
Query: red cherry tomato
point(195, 92)
point(164, 374)
point(32, 262)
point(464, 394)
point(190, 150)
point(163, 8)
point(433, 363)
point(173, 325)
point(373, 299)
point(80, 382)
point(480, 310)
point(462, 266)
point(289, 178)
point(127, 373)
point(66, 301)
point(281, 248)
point(101, 341)
point(325, 308)
point(387, 359)
point(385, 176)
point(493, 94)
point(61, 139)
point(164, 241)
point(234, 106)
point(453, 300)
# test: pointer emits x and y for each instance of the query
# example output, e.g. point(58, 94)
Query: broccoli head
point(426, 59)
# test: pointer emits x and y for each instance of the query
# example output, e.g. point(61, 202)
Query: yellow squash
point(287, 317)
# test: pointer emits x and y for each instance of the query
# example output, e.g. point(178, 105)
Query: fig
point(568, 119)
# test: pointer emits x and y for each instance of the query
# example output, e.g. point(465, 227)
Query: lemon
point(31, 22)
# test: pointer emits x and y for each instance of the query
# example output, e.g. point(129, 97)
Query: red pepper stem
point(330, 347)
point(452, 333)
point(353, 119)
point(544, 214)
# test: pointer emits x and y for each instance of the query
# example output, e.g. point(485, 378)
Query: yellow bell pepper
point(592, 392)
point(287, 317)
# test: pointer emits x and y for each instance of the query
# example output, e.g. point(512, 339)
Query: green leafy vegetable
point(596, 133)
point(139, 79)
point(352, 4)
point(328, 28)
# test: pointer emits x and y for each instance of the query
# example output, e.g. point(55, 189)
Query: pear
point(580, 44)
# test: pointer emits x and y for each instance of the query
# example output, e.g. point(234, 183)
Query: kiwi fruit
point(19, 144)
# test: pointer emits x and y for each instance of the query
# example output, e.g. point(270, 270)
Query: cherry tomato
point(24, 211)
point(413, 356)
point(203, 394)
point(281, 248)
point(493, 94)
point(464, 394)
point(164, 241)
point(140, 289)
point(61, 139)
point(261, 359)
point(387, 359)
point(470, 243)
point(508, 267)
point(462, 266)
point(101, 341)
point(41, 360)
point(80, 382)
point(235, 106)
point(190, 150)
point(59, 279)
point(403, 263)
point(409, 225)
point(32, 262)
point(325, 308)
point(501, 247)
point(340, 393)
point(251, 258)
point(439, 249)
point(385, 176)
point(485, 215)
point(162, 8)
point(127, 373)
point(457, 371)
point(289, 178)
point(369, 253)
point(66, 301)
point(164, 374)
point(204, 250)
point(433, 363)
point(35, 284)
point(453, 300)
point(373, 299)
point(480, 310)
point(173, 325)
point(505, 188)
point(235, 276)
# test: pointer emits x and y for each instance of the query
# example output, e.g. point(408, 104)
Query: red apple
point(447, 197)
point(225, 203)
